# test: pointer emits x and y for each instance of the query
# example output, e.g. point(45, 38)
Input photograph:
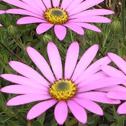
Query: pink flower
point(75, 88)
point(117, 92)
point(73, 14)
point(1, 12)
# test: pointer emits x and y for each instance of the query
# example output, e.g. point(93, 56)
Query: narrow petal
point(117, 95)
point(56, 3)
point(41, 63)
point(41, 28)
point(28, 72)
point(40, 4)
point(79, 112)
point(61, 112)
point(85, 60)
point(23, 5)
point(71, 59)
point(101, 83)
point(73, 5)
point(113, 88)
point(21, 89)
point(118, 61)
point(1, 11)
point(111, 71)
point(93, 12)
point(95, 67)
point(40, 108)
point(24, 99)
point(122, 108)
point(75, 28)
point(24, 12)
point(47, 3)
point(29, 20)
point(92, 78)
point(55, 60)
point(88, 26)
point(92, 19)
point(65, 4)
point(85, 5)
point(60, 35)
point(97, 97)
point(90, 106)
point(24, 81)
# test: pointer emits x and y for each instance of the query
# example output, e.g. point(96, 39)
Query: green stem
point(10, 51)
point(71, 35)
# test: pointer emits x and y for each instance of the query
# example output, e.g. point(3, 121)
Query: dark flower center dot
point(62, 85)
point(57, 13)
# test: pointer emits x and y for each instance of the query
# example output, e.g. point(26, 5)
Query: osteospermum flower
point(75, 88)
point(119, 91)
point(72, 14)
point(1, 12)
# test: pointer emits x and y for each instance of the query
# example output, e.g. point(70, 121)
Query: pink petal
point(117, 95)
point(65, 4)
point(61, 112)
point(41, 63)
point(24, 81)
point(28, 20)
point(101, 83)
point(73, 5)
point(21, 89)
point(1, 11)
point(40, 108)
point(75, 28)
point(60, 35)
point(28, 72)
point(41, 28)
point(71, 59)
point(92, 19)
point(40, 4)
point(22, 5)
point(1, 25)
point(95, 67)
point(85, 60)
point(98, 97)
point(79, 112)
point(111, 71)
point(33, 4)
point(56, 3)
point(89, 105)
point(55, 60)
point(118, 61)
point(47, 3)
point(88, 26)
point(113, 88)
point(122, 108)
point(92, 12)
point(25, 12)
point(24, 99)
point(92, 78)
point(85, 5)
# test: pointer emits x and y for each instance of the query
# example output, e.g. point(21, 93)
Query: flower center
point(56, 15)
point(63, 89)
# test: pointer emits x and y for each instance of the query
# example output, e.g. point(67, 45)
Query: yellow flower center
point(63, 89)
point(56, 15)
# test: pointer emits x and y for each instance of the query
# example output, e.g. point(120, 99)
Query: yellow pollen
point(56, 16)
point(63, 89)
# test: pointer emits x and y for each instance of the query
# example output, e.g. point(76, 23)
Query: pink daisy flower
point(117, 92)
point(75, 88)
point(1, 12)
point(73, 14)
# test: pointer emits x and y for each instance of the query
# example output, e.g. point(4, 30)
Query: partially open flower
point(72, 14)
point(75, 87)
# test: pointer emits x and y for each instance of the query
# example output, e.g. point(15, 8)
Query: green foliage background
point(15, 38)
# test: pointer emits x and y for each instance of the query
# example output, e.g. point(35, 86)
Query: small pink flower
point(117, 92)
point(1, 12)
point(73, 14)
point(75, 87)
